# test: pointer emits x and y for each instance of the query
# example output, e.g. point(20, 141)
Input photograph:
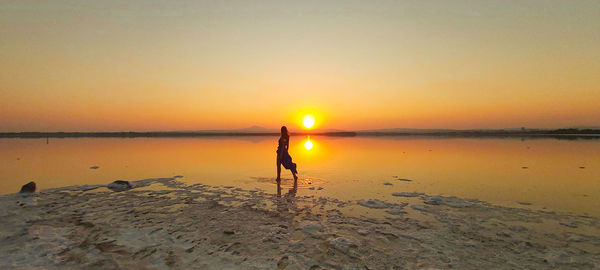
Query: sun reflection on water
point(308, 144)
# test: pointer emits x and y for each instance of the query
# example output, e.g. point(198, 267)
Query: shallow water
point(346, 168)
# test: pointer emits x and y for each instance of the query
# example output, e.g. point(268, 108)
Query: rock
point(178, 176)
point(387, 183)
point(582, 167)
point(28, 188)
point(119, 185)
point(320, 188)
point(228, 232)
point(311, 188)
point(524, 203)
point(404, 179)
point(94, 167)
point(377, 204)
point(524, 167)
point(407, 194)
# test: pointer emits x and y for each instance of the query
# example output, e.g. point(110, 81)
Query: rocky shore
point(165, 224)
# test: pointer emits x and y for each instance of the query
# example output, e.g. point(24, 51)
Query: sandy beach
point(162, 223)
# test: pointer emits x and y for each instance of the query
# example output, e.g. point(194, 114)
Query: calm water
point(346, 168)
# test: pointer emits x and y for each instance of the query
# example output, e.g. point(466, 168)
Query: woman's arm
point(278, 168)
point(278, 161)
point(280, 152)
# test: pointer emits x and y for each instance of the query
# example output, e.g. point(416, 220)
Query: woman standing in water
point(283, 157)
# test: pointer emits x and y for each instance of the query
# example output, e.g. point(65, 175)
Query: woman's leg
point(296, 183)
point(278, 169)
point(278, 189)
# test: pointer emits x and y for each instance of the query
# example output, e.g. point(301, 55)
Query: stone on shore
point(28, 188)
point(119, 185)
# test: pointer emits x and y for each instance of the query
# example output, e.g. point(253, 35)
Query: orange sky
point(150, 65)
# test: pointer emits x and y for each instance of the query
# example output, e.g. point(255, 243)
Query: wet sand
point(163, 223)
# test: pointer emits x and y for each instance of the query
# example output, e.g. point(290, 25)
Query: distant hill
point(255, 129)
point(259, 129)
point(405, 131)
point(481, 132)
point(595, 128)
point(501, 130)
point(252, 129)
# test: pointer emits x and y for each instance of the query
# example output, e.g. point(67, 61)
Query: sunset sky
point(187, 65)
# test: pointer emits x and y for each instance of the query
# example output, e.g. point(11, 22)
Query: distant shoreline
point(559, 134)
point(158, 134)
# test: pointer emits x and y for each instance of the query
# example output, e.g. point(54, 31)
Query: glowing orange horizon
point(417, 66)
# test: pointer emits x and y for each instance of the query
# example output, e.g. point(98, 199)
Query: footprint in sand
point(283, 262)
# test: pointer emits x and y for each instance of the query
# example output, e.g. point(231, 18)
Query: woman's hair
point(285, 132)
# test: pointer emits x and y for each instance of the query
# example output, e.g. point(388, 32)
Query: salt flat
point(163, 223)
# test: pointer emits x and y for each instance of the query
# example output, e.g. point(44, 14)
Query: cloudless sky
point(185, 65)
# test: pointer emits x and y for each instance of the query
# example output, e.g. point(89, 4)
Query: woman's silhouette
point(283, 157)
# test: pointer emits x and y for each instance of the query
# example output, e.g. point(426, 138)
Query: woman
point(283, 157)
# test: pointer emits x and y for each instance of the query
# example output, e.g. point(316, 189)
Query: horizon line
point(564, 133)
point(321, 130)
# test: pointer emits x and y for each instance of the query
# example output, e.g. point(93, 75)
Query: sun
point(308, 121)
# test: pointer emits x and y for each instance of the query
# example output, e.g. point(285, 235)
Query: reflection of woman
point(283, 157)
point(291, 193)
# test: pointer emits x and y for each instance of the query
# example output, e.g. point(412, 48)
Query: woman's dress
point(286, 159)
